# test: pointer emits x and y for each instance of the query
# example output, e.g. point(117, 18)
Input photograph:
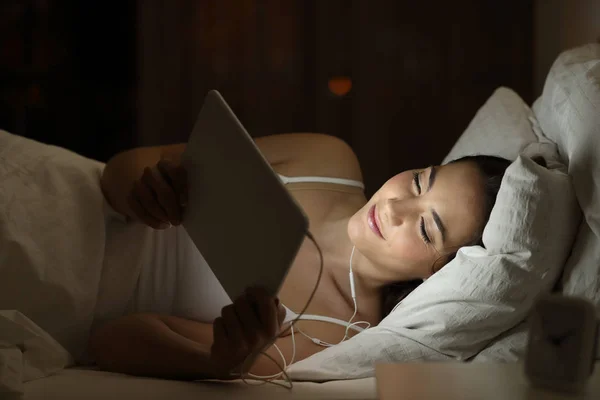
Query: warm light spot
point(340, 85)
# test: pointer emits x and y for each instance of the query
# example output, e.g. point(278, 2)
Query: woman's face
point(417, 217)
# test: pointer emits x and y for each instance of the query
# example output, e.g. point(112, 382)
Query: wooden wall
point(67, 73)
point(560, 25)
point(100, 76)
point(419, 70)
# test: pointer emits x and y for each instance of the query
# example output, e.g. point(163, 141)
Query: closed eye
point(416, 182)
point(424, 234)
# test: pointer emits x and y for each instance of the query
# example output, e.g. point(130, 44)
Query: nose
point(402, 211)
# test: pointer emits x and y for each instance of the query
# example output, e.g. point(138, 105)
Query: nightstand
point(466, 381)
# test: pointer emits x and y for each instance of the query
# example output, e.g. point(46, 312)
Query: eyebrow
point(432, 174)
point(439, 224)
point(436, 217)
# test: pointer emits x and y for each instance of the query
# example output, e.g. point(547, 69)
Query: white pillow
point(67, 260)
point(26, 352)
point(569, 114)
point(52, 239)
point(502, 127)
point(478, 295)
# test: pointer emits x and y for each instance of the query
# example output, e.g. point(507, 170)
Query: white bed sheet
point(71, 384)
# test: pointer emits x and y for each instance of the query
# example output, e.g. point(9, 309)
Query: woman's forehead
point(463, 173)
point(459, 190)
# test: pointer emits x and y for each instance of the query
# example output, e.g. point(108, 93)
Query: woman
point(403, 234)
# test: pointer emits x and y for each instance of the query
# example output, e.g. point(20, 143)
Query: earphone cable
point(245, 367)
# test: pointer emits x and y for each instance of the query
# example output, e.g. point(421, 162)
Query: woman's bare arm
point(290, 154)
point(145, 345)
point(175, 348)
point(124, 168)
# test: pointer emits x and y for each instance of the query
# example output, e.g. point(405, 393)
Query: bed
point(89, 384)
point(84, 275)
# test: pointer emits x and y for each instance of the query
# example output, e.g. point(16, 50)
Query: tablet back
point(239, 214)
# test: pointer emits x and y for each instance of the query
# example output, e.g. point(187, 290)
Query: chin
point(355, 228)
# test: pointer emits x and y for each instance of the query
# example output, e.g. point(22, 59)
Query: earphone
point(351, 276)
point(335, 320)
point(349, 324)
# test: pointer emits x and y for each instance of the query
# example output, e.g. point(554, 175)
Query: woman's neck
point(338, 248)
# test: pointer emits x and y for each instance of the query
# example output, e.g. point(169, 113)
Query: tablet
point(239, 214)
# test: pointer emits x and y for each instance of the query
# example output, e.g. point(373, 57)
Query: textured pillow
point(482, 292)
point(569, 114)
point(51, 236)
point(26, 352)
point(67, 259)
point(502, 127)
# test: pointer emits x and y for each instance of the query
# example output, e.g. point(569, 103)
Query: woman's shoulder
point(311, 154)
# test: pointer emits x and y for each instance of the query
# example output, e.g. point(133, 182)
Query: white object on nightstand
point(562, 343)
point(467, 381)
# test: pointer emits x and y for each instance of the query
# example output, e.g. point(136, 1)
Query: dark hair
point(492, 169)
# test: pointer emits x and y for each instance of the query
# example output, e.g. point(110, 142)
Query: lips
point(373, 222)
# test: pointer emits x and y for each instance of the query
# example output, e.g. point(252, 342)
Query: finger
point(164, 193)
point(142, 214)
point(233, 328)
point(249, 320)
point(176, 176)
point(266, 307)
point(147, 199)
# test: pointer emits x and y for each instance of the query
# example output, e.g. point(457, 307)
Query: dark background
point(98, 77)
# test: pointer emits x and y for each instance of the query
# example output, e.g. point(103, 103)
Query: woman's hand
point(159, 196)
point(245, 327)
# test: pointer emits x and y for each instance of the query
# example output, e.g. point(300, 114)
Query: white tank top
point(175, 279)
